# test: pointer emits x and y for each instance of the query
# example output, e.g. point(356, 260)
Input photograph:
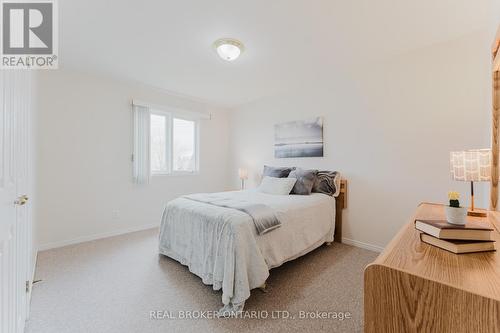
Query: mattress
point(307, 222)
point(222, 247)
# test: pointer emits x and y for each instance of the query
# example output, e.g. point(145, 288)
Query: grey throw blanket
point(263, 216)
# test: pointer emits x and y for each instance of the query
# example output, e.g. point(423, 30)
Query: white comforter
point(221, 245)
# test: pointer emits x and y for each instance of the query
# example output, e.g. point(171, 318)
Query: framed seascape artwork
point(302, 138)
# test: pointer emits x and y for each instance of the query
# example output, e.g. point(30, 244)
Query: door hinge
point(30, 285)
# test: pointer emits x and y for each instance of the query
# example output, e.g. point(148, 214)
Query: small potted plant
point(454, 213)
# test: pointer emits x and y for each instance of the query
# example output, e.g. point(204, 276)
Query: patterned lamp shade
point(243, 173)
point(471, 165)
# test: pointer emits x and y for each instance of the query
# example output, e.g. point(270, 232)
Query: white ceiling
point(167, 44)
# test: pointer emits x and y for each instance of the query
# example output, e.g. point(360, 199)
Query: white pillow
point(273, 185)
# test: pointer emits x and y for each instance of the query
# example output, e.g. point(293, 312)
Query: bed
point(222, 246)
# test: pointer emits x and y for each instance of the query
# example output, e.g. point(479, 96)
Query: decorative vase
point(456, 215)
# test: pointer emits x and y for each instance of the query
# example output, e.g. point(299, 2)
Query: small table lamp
point(243, 174)
point(471, 166)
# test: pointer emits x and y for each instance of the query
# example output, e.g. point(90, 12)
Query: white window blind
point(141, 157)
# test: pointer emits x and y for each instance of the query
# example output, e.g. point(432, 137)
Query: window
point(174, 144)
point(184, 145)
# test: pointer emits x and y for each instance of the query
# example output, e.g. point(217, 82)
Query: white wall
point(388, 127)
point(84, 147)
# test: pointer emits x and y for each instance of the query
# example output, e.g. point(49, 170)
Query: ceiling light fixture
point(228, 49)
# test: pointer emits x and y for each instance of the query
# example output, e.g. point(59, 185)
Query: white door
point(15, 222)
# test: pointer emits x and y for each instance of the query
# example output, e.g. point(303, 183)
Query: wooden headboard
point(340, 204)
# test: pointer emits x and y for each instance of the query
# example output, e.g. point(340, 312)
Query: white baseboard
point(366, 246)
point(57, 244)
point(54, 245)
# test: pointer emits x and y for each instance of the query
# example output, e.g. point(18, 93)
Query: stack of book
point(474, 236)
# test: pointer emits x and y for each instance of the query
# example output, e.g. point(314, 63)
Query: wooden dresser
point(415, 287)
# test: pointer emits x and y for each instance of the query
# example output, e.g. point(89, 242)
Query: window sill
point(176, 174)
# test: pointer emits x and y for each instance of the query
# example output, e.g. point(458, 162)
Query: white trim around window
point(169, 168)
point(179, 113)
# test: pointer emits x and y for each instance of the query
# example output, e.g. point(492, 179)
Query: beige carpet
point(112, 285)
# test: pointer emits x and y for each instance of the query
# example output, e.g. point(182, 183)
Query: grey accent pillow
point(276, 172)
point(326, 182)
point(305, 180)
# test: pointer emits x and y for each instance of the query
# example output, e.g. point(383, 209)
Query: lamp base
point(476, 213)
